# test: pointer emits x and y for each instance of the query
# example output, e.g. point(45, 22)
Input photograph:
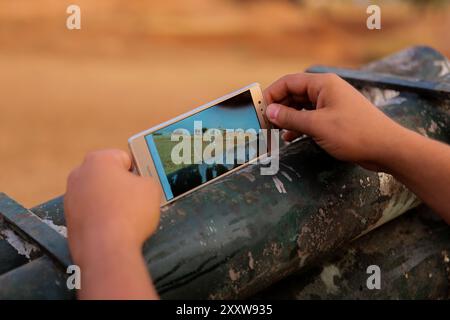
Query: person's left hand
point(105, 203)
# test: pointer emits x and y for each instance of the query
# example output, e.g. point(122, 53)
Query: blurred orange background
point(136, 63)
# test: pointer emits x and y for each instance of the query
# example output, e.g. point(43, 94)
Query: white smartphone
point(196, 148)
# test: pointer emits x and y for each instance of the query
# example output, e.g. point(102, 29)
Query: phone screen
point(201, 147)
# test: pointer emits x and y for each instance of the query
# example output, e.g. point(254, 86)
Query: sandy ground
point(131, 66)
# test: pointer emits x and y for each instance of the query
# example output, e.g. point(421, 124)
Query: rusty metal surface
point(247, 231)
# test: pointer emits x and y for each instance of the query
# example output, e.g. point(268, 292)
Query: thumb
point(290, 118)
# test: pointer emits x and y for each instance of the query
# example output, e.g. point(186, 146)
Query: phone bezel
point(142, 158)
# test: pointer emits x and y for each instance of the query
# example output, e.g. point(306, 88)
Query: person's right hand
point(350, 128)
point(344, 123)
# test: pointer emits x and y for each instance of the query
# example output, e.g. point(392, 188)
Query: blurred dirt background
point(136, 63)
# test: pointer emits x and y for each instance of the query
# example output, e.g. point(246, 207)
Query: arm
point(346, 125)
point(110, 213)
point(423, 165)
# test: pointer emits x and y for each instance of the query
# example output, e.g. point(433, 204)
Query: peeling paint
point(276, 250)
point(401, 200)
point(423, 132)
point(446, 258)
point(381, 97)
point(62, 230)
point(303, 257)
point(398, 204)
point(386, 182)
point(234, 275)
point(433, 127)
point(327, 277)
point(23, 247)
point(251, 261)
point(279, 185)
point(445, 67)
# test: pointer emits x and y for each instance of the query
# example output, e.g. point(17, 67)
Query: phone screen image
point(222, 121)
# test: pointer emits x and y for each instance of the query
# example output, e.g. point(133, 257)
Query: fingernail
point(272, 111)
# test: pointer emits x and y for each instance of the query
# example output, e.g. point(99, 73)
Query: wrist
point(101, 243)
point(115, 272)
point(396, 148)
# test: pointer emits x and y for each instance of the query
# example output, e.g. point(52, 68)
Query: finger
point(291, 135)
point(73, 176)
point(290, 100)
point(125, 159)
point(303, 87)
point(110, 156)
point(291, 119)
point(296, 103)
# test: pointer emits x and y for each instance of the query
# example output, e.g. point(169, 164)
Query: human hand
point(344, 123)
point(105, 203)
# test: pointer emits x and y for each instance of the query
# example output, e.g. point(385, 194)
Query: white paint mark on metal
point(400, 203)
point(381, 98)
point(234, 275)
point(302, 257)
point(251, 261)
point(327, 276)
point(445, 67)
point(23, 247)
point(433, 127)
point(62, 230)
point(386, 182)
point(401, 200)
point(446, 258)
point(422, 131)
point(279, 185)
